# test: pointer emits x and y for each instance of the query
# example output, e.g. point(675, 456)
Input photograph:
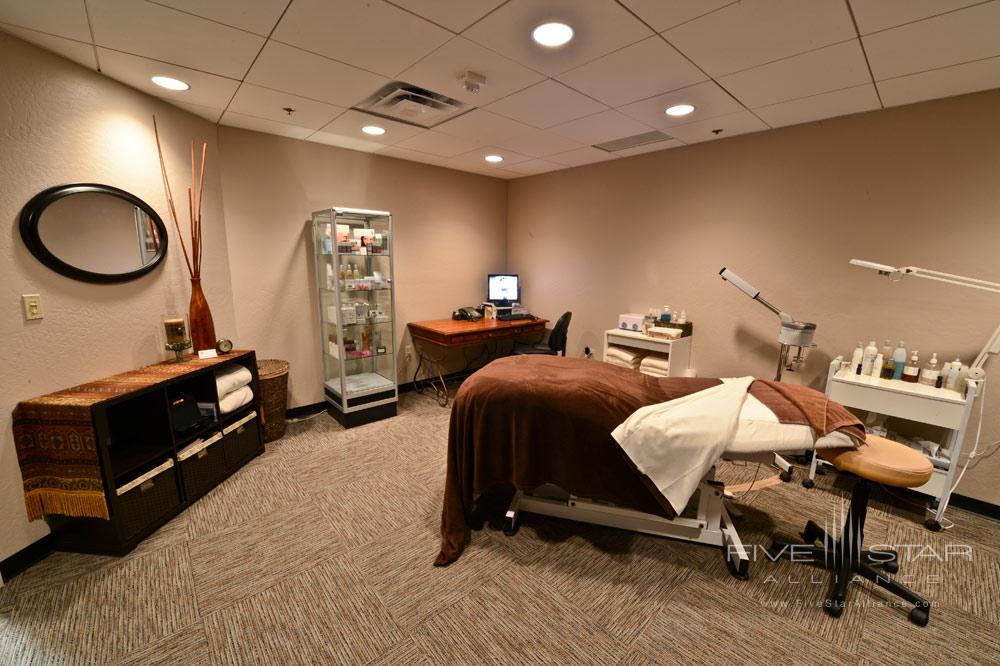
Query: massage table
point(545, 426)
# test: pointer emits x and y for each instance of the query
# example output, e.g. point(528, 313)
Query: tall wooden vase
point(200, 316)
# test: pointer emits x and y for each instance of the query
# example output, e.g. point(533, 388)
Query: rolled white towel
point(235, 399)
point(623, 354)
point(230, 379)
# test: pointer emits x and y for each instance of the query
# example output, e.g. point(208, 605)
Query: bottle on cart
point(899, 360)
point(857, 357)
point(666, 316)
point(954, 371)
point(868, 358)
point(911, 372)
point(356, 273)
point(885, 372)
point(929, 375)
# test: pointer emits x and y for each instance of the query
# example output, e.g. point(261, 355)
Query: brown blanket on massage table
point(524, 421)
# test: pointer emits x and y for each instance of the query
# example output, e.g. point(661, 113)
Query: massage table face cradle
point(712, 525)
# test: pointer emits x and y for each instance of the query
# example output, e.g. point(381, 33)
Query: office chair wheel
point(785, 476)
point(834, 607)
point(891, 567)
point(808, 483)
point(511, 526)
point(932, 525)
point(920, 616)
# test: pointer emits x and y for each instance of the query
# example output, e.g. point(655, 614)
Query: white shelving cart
point(678, 350)
point(919, 403)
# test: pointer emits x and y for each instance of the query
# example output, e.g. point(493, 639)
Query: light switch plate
point(32, 304)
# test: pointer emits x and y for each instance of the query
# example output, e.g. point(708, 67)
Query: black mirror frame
point(31, 215)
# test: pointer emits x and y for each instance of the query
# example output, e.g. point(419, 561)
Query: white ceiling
point(747, 66)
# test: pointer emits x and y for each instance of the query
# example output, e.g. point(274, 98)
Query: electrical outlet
point(409, 351)
point(32, 304)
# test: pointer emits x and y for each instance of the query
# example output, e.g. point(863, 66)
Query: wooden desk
point(447, 334)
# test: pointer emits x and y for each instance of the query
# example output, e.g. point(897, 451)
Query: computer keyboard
point(514, 317)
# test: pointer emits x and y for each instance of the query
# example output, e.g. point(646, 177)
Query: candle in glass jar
point(174, 329)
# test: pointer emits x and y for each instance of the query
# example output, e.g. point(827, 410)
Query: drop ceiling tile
point(259, 16)
point(752, 32)
point(601, 127)
point(350, 123)
point(251, 100)
point(539, 143)
point(482, 127)
point(829, 68)
point(532, 167)
point(411, 155)
point(585, 155)
point(78, 52)
point(650, 148)
point(635, 72)
point(456, 16)
point(741, 122)
point(546, 104)
point(708, 99)
point(63, 18)
point(827, 105)
point(206, 89)
point(874, 15)
point(263, 125)
point(157, 32)
point(600, 27)
point(961, 36)
point(370, 34)
point(438, 144)
point(945, 82)
point(441, 70)
point(285, 68)
point(207, 112)
point(665, 14)
point(476, 158)
point(344, 141)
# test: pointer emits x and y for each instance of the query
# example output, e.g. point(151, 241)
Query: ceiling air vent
point(407, 103)
point(632, 141)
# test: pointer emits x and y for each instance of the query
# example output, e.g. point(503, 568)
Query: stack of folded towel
point(623, 357)
point(656, 366)
point(233, 387)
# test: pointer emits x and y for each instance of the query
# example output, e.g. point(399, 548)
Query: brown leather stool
point(882, 461)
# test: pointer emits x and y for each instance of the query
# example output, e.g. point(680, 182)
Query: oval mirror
point(94, 233)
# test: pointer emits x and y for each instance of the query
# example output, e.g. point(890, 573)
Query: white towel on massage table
point(230, 379)
point(675, 443)
point(235, 399)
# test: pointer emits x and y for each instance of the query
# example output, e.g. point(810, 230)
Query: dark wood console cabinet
point(151, 468)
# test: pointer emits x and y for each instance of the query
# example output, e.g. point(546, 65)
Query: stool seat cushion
point(882, 461)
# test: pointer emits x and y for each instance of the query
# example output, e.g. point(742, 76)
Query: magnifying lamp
point(793, 333)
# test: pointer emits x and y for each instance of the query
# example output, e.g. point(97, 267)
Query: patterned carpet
point(320, 552)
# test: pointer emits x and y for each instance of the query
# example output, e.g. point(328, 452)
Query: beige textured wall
point(449, 231)
point(786, 209)
point(61, 124)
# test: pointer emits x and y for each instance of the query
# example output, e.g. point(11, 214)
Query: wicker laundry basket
point(273, 375)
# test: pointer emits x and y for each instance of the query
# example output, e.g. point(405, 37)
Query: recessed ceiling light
point(494, 158)
point(552, 34)
point(170, 83)
point(679, 109)
point(374, 130)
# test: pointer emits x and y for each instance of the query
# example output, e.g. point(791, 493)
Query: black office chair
point(557, 340)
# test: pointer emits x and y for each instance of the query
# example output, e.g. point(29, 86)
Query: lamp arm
point(950, 278)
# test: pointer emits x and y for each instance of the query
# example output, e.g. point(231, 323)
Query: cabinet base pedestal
point(361, 417)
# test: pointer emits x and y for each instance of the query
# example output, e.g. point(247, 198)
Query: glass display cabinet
point(353, 252)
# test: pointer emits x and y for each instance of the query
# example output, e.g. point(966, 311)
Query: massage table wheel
point(920, 616)
point(511, 526)
point(932, 525)
point(785, 476)
point(808, 483)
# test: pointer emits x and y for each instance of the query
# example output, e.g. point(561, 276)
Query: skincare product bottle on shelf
point(911, 373)
point(876, 370)
point(357, 273)
point(856, 358)
point(930, 373)
point(899, 360)
point(682, 318)
point(954, 371)
point(666, 315)
point(885, 372)
point(868, 358)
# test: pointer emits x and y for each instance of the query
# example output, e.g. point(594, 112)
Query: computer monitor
point(503, 288)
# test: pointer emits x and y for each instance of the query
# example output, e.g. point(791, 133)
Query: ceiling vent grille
point(632, 141)
point(413, 105)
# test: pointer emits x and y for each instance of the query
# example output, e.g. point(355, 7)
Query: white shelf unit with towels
point(678, 350)
point(919, 403)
